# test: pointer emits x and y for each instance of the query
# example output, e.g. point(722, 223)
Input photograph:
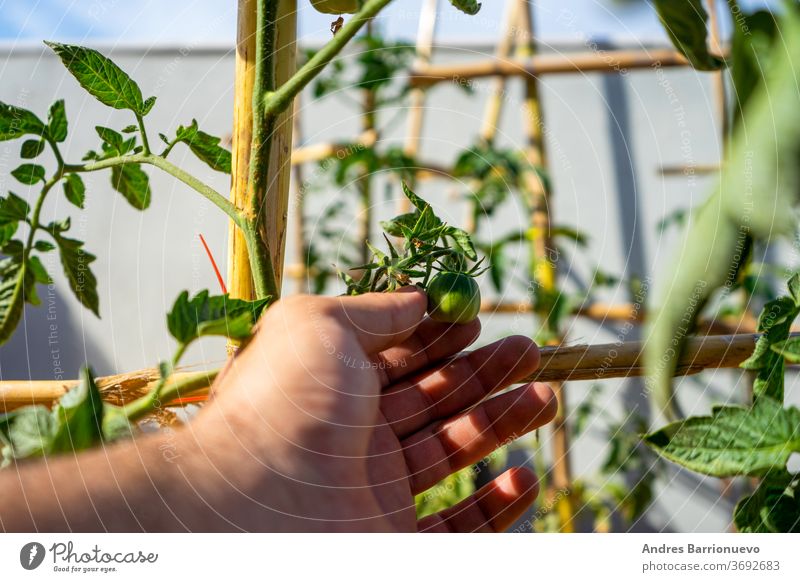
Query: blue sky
point(191, 21)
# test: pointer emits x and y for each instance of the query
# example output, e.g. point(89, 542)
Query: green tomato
point(335, 6)
point(453, 297)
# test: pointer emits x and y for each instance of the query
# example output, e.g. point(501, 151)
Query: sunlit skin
point(334, 416)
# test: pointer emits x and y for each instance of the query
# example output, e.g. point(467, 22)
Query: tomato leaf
point(685, 23)
point(57, 121)
point(774, 507)
point(31, 148)
point(76, 262)
point(13, 208)
point(132, 182)
point(29, 174)
point(12, 295)
point(470, 7)
point(754, 199)
point(206, 315)
point(16, 122)
point(100, 77)
point(733, 440)
point(206, 147)
point(75, 190)
point(78, 417)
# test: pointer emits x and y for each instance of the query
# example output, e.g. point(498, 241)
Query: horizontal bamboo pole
point(623, 360)
point(558, 364)
point(118, 389)
point(689, 170)
point(585, 62)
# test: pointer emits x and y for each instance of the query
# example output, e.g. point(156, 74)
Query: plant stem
point(155, 399)
point(279, 100)
point(154, 160)
point(143, 133)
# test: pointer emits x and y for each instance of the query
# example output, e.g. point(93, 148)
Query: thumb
point(381, 320)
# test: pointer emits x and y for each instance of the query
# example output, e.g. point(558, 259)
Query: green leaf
point(7, 231)
point(38, 271)
point(394, 227)
point(462, 241)
point(685, 23)
point(78, 417)
point(57, 121)
point(418, 202)
point(205, 315)
point(27, 432)
point(470, 7)
point(12, 295)
point(772, 508)
point(132, 182)
point(116, 425)
point(31, 148)
point(754, 199)
point(77, 267)
point(113, 138)
point(100, 77)
point(13, 208)
point(751, 55)
point(733, 440)
point(148, 105)
point(775, 321)
point(789, 349)
point(130, 129)
point(16, 122)
point(74, 190)
point(206, 147)
point(29, 174)
point(43, 246)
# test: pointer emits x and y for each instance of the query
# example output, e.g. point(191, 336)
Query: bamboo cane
point(240, 279)
point(558, 363)
point(543, 268)
point(494, 104)
point(583, 62)
point(416, 107)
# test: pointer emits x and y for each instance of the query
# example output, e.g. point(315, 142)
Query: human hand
point(342, 409)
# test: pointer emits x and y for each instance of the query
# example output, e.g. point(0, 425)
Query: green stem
point(143, 133)
point(199, 186)
point(278, 100)
point(37, 208)
point(154, 400)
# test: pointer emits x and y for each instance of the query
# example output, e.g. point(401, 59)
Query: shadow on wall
point(49, 343)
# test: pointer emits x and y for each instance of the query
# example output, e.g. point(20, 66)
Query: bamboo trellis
point(559, 363)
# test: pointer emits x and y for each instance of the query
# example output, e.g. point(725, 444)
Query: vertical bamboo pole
point(299, 222)
point(271, 196)
point(543, 268)
point(720, 95)
point(416, 107)
point(240, 280)
point(494, 104)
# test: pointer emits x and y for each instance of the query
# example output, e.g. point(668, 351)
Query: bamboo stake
point(118, 389)
point(543, 268)
point(720, 95)
point(624, 359)
point(494, 104)
point(416, 107)
point(240, 279)
point(299, 225)
point(558, 363)
point(605, 62)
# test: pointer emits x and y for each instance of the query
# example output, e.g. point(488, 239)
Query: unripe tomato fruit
point(453, 297)
point(335, 6)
